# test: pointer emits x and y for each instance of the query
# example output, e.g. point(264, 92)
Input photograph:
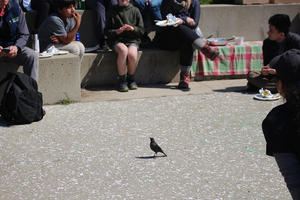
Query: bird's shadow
point(149, 157)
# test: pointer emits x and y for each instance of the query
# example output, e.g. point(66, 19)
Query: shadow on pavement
point(114, 87)
point(149, 157)
point(239, 89)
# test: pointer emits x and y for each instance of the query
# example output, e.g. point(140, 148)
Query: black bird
point(155, 147)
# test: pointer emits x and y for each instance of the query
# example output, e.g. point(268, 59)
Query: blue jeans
point(289, 166)
point(153, 7)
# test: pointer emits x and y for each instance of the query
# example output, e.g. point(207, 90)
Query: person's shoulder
point(132, 7)
point(13, 6)
point(293, 36)
point(54, 16)
point(276, 117)
point(53, 19)
point(278, 113)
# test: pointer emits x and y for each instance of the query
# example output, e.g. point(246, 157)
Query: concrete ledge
point(59, 77)
point(154, 66)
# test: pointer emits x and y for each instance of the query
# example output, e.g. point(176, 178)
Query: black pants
point(178, 38)
point(101, 9)
point(43, 9)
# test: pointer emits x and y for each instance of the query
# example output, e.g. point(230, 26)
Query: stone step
point(59, 77)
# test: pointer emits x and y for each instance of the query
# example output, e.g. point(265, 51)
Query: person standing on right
point(279, 40)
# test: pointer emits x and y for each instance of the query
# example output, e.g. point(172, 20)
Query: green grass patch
point(66, 100)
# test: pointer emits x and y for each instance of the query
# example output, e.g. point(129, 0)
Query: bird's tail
point(165, 154)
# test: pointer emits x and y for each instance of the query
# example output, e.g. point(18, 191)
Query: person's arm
point(22, 32)
point(195, 13)
point(138, 28)
point(70, 36)
point(110, 30)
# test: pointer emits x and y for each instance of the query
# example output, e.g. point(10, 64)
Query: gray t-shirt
point(53, 25)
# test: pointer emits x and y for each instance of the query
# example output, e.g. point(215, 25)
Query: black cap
point(288, 66)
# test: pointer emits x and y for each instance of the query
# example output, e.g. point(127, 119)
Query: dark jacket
point(120, 16)
point(279, 128)
point(17, 31)
point(271, 49)
point(170, 6)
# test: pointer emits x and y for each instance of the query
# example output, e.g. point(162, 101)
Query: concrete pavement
point(99, 149)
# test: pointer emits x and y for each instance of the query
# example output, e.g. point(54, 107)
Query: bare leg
point(122, 52)
point(132, 59)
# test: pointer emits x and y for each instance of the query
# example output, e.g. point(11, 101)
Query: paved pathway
point(100, 149)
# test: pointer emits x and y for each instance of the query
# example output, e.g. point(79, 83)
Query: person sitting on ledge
point(183, 36)
point(60, 28)
point(13, 38)
point(124, 29)
point(279, 41)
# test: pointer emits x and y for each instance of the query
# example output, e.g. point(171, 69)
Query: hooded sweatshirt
point(120, 16)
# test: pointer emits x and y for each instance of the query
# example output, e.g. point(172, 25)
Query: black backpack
point(21, 103)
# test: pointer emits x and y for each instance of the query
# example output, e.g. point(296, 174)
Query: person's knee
point(122, 50)
point(155, 4)
point(76, 48)
point(132, 56)
point(80, 47)
point(29, 54)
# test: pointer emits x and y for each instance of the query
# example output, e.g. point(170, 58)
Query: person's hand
point(77, 18)
point(267, 70)
point(128, 27)
point(2, 54)
point(121, 30)
point(180, 21)
point(13, 51)
point(54, 39)
point(190, 21)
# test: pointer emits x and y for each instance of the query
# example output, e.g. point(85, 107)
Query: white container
point(36, 43)
point(239, 40)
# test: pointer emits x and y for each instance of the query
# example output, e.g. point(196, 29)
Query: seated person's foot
point(272, 90)
point(184, 81)
point(133, 85)
point(103, 46)
point(123, 86)
point(210, 52)
point(251, 88)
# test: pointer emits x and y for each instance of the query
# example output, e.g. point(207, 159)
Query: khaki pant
point(256, 79)
point(74, 47)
